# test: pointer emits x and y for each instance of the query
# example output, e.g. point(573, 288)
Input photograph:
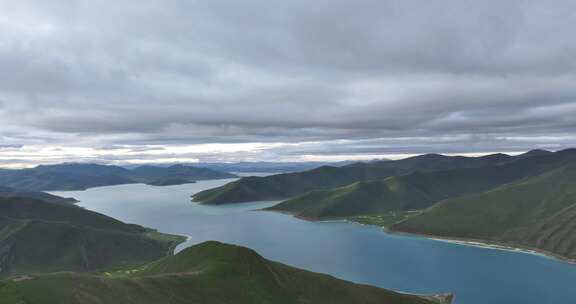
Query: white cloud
point(380, 75)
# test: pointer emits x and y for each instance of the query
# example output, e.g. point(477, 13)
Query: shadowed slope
point(36, 236)
point(7, 192)
point(284, 186)
point(538, 212)
point(410, 192)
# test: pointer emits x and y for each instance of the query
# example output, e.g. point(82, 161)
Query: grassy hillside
point(410, 192)
point(537, 212)
point(37, 236)
point(361, 198)
point(84, 176)
point(7, 192)
point(287, 185)
point(209, 273)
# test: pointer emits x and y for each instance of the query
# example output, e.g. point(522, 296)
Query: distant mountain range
point(526, 201)
point(259, 167)
point(84, 176)
point(270, 167)
point(208, 273)
point(283, 186)
point(420, 189)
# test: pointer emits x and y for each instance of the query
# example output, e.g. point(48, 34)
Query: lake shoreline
point(479, 243)
point(487, 244)
point(413, 265)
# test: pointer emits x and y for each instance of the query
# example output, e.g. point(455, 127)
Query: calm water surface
point(349, 251)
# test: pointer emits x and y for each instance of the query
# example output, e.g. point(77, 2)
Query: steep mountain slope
point(84, 176)
point(538, 212)
point(287, 185)
point(360, 198)
point(399, 193)
point(37, 236)
point(6, 192)
point(283, 186)
point(209, 273)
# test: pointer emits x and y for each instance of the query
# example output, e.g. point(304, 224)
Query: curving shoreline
point(487, 245)
point(480, 243)
point(453, 240)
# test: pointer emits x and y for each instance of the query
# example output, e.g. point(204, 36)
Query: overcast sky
point(213, 80)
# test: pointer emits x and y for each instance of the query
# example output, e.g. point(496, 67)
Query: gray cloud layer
point(342, 77)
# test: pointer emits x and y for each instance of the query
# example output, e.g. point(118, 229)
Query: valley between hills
point(525, 201)
point(53, 251)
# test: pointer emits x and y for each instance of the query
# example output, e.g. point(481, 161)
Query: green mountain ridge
point(439, 162)
point(282, 186)
point(410, 192)
point(379, 196)
point(527, 203)
point(208, 273)
point(7, 192)
point(538, 212)
point(84, 176)
point(524, 201)
point(289, 185)
point(39, 236)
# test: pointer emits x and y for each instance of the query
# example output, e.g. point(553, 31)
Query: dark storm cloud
point(338, 77)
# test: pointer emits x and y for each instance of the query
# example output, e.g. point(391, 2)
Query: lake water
point(349, 251)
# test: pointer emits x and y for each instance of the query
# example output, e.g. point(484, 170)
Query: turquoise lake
point(349, 251)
